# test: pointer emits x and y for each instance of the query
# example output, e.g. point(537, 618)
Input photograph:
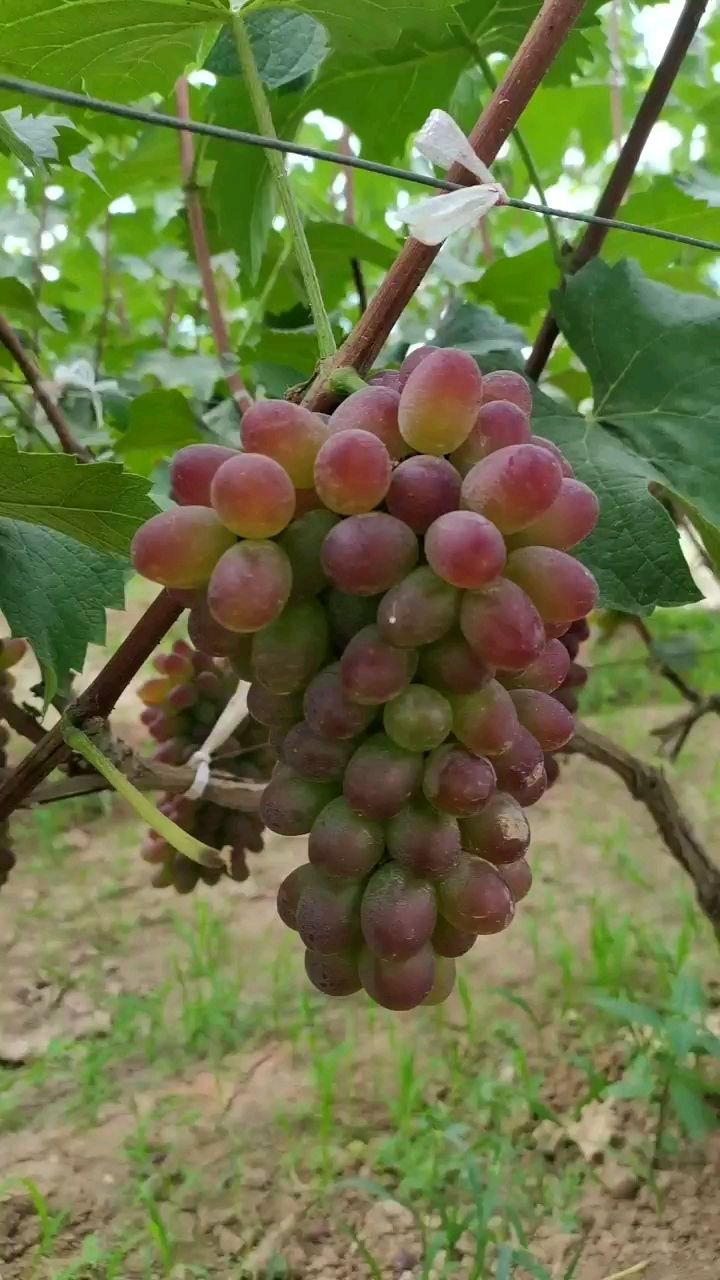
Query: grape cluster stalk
point(395, 582)
point(11, 651)
point(182, 704)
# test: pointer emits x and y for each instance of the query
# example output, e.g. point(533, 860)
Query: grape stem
point(19, 719)
point(263, 116)
point(31, 374)
point(180, 840)
point(345, 381)
point(648, 784)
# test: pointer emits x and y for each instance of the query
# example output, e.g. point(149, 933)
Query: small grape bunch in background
point(11, 651)
point(182, 704)
point(396, 580)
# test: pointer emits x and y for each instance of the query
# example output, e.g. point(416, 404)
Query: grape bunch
point(395, 582)
point(182, 704)
point(11, 651)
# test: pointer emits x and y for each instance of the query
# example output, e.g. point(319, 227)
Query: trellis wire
point(66, 97)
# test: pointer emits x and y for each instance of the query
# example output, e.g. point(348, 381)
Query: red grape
point(543, 443)
point(180, 547)
point(207, 634)
point(412, 360)
point(192, 470)
point(398, 984)
point(250, 585)
point(572, 516)
point(328, 915)
point(352, 472)
point(274, 709)
point(421, 489)
point(544, 717)
point(398, 912)
point(518, 878)
point(366, 554)
point(306, 753)
point(372, 670)
point(290, 892)
point(287, 432)
point(291, 803)
point(381, 777)
point(486, 721)
point(502, 625)
point(498, 424)
point(560, 587)
point(458, 782)
point(465, 549)
point(475, 899)
point(329, 711)
point(335, 975)
point(450, 664)
point(443, 982)
point(349, 614)
point(343, 843)
point(417, 610)
point(423, 841)
point(373, 409)
point(500, 832)
point(505, 384)
point(451, 942)
point(253, 496)
point(545, 673)
point(512, 486)
point(439, 401)
point(520, 769)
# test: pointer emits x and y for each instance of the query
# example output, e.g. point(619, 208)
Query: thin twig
point(625, 166)
point(648, 784)
point(31, 373)
point(222, 789)
point(527, 69)
point(196, 219)
point(97, 700)
point(19, 719)
point(616, 76)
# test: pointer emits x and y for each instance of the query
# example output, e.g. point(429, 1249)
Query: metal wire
point(66, 97)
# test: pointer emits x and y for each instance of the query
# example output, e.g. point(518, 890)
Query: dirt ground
point(174, 1102)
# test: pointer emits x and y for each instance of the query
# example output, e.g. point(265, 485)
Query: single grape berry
point(180, 547)
point(373, 409)
point(287, 432)
point(253, 496)
point(421, 489)
point(366, 554)
point(192, 470)
point(398, 912)
point(418, 719)
point(352, 472)
point(250, 585)
point(440, 401)
point(465, 550)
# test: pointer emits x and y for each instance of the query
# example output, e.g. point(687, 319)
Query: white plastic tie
point(443, 143)
point(234, 712)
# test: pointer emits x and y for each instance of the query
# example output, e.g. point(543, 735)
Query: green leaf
point(654, 358)
point(55, 593)
point(115, 48)
point(161, 422)
point(99, 503)
point(481, 332)
point(668, 208)
point(518, 286)
point(11, 144)
point(634, 550)
point(694, 1115)
point(286, 45)
point(241, 191)
point(362, 22)
point(702, 185)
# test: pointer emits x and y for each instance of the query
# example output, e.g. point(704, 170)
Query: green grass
point(688, 639)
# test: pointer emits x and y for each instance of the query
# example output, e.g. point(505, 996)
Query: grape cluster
point(395, 580)
point(11, 651)
point(182, 704)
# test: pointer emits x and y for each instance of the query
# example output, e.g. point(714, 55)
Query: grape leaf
point(634, 551)
point(115, 48)
point(653, 355)
point(481, 332)
point(362, 22)
point(11, 144)
point(160, 423)
point(286, 45)
point(99, 504)
point(55, 593)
